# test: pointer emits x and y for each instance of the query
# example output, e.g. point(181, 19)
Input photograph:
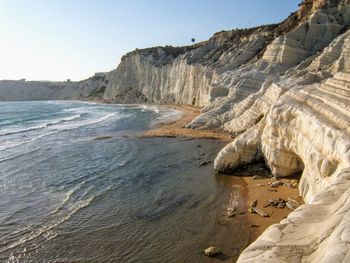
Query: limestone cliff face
point(283, 91)
point(187, 75)
point(89, 89)
point(306, 130)
point(298, 122)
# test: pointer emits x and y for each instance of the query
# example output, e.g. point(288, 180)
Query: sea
point(78, 183)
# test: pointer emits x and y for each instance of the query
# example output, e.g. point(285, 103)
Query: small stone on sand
point(212, 251)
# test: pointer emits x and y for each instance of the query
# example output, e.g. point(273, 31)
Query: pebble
point(272, 190)
point(251, 210)
point(281, 205)
point(254, 210)
point(293, 201)
point(289, 206)
point(260, 212)
point(254, 203)
point(231, 213)
point(204, 163)
point(276, 184)
point(212, 251)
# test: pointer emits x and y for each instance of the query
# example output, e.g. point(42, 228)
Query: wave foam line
point(67, 197)
point(8, 158)
point(54, 223)
point(42, 126)
point(92, 122)
point(14, 145)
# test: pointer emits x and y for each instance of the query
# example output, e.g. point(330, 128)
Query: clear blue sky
point(60, 39)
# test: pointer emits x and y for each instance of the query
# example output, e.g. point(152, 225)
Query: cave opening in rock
point(257, 168)
point(291, 167)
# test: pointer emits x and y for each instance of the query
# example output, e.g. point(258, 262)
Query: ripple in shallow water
point(67, 197)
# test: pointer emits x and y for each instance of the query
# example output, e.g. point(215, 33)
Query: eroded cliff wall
point(186, 75)
point(299, 122)
point(283, 91)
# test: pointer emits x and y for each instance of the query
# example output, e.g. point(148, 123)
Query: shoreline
point(176, 128)
point(254, 187)
point(251, 182)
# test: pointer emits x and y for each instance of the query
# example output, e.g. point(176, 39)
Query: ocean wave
point(60, 215)
point(33, 128)
point(169, 116)
point(165, 114)
point(94, 121)
point(43, 229)
point(71, 118)
point(42, 126)
point(11, 145)
point(11, 157)
point(67, 197)
point(19, 143)
point(154, 109)
point(79, 109)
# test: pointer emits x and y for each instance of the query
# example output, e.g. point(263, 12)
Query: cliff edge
point(283, 90)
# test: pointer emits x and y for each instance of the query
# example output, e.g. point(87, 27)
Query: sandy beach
point(254, 187)
point(176, 128)
point(252, 183)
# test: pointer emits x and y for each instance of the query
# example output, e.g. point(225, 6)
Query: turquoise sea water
point(78, 184)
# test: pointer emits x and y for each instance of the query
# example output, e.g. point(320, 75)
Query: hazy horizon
point(61, 40)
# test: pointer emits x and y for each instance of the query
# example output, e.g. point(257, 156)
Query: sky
point(73, 39)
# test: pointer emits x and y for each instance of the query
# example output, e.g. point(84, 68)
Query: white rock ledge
point(306, 129)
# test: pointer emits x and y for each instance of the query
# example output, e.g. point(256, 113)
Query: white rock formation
point(283, 90)
point(89, 89)
point(185, 75)
point(304, 127)
point(307, 130)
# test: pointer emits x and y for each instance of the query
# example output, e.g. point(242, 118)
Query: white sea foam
point(165, 114)
point(55, 128)
point(90, 122)
point(152, 108)
point(58, 216)
point(11, 157)
point(42, 126)
point(37, 127)
point(71, 118)
point(54, 221)
point(66, 197)
point(9, 144)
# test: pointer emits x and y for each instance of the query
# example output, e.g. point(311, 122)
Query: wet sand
point(245, 185)
point(176, 128)
point(250, 188)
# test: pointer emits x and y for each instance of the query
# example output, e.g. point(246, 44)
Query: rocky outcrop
point(306, 130)
point(189, 75)
point(303, 128)
point(298, 122)
point(283, 91)
point(315, 232)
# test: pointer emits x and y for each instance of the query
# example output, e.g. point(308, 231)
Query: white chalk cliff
point(283, 91)
point(89, 89)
